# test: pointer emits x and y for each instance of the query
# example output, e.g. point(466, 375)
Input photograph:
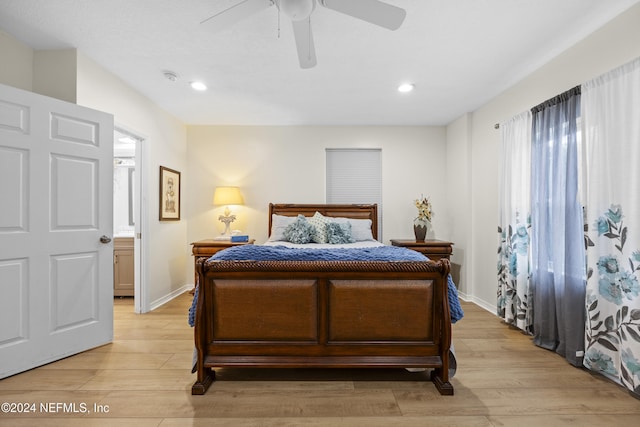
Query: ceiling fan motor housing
point(297, 10)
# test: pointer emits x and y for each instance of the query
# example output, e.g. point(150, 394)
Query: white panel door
point(56, 273)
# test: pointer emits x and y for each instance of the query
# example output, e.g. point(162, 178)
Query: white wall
point(613, 45)
point(287, 165)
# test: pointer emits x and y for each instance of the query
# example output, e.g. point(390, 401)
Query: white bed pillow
point(360, 228)
point(278, 224)
point(363, 244)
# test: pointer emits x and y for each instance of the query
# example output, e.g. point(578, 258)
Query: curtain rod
point(552, 101)
point(557, 99)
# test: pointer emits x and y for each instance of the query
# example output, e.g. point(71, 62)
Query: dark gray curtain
point(558, 260)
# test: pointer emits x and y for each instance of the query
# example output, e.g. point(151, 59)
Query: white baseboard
point(491, 308)
point(165, 299)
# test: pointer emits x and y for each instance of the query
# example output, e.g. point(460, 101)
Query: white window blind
point(355, 176)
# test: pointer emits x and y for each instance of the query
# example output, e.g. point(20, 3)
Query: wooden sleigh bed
point(322, 314)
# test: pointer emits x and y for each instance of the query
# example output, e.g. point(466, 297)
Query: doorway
point(128, 217)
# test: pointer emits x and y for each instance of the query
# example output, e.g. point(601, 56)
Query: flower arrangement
point(424, 209)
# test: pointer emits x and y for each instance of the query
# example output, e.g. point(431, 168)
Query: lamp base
point(226, 219)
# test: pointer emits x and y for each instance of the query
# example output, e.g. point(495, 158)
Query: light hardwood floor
point(143, 378)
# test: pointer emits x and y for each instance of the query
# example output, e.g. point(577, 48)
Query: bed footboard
point(296, 314)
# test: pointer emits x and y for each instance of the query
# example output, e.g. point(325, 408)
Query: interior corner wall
point(55, 74)
point(613, 45)
point(17, 63)
point(459, 205)
point(164, 269)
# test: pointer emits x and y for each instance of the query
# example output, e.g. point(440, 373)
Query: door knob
point(105, 239)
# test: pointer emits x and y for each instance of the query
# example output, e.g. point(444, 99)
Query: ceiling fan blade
point(236, 13)
point(304, 43)
point(372, 11)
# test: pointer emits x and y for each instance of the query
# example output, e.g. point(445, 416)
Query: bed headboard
point(345, 211)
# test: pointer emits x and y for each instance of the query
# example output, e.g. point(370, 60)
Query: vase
point(420, 230)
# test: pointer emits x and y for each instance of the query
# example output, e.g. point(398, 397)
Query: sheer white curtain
point(611, 118)
point(514, 294)
point(557, 255)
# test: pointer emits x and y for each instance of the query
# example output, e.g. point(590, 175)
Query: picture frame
point(169, 194)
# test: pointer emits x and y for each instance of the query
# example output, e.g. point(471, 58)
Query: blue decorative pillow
point(360, 228)
point(339, 233)
point(300, 231)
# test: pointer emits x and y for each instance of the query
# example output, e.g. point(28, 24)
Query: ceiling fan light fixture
point(406, 87)
point(297, 10)
point(199, 86)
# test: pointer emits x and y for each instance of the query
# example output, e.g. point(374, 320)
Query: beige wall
point(17, 63)
point(55, 74)
point(613, 45)
point(68, 75)
point(164, 144)
point(286, 164)
point(50, 73)
point(458, 185)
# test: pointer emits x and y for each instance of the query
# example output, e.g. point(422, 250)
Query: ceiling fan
point(299, 11)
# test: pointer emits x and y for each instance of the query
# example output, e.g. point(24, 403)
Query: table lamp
point(226, 196)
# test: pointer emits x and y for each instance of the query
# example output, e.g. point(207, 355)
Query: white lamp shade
point(227, 196)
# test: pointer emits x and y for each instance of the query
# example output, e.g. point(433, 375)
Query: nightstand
point(208, 247)
point(431, 248)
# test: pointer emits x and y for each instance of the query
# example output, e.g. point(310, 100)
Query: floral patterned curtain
point(514, 257)
point(611, 119)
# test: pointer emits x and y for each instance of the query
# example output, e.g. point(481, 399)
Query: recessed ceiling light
point(198, 86)
point(406, 87)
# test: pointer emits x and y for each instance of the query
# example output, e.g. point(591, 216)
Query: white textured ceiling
point(459, 54)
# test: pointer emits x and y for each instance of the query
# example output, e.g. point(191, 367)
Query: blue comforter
point(283, 253)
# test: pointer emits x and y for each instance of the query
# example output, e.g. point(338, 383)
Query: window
point(355, 176)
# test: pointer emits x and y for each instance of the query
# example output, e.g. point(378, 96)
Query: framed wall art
point(169, 194)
